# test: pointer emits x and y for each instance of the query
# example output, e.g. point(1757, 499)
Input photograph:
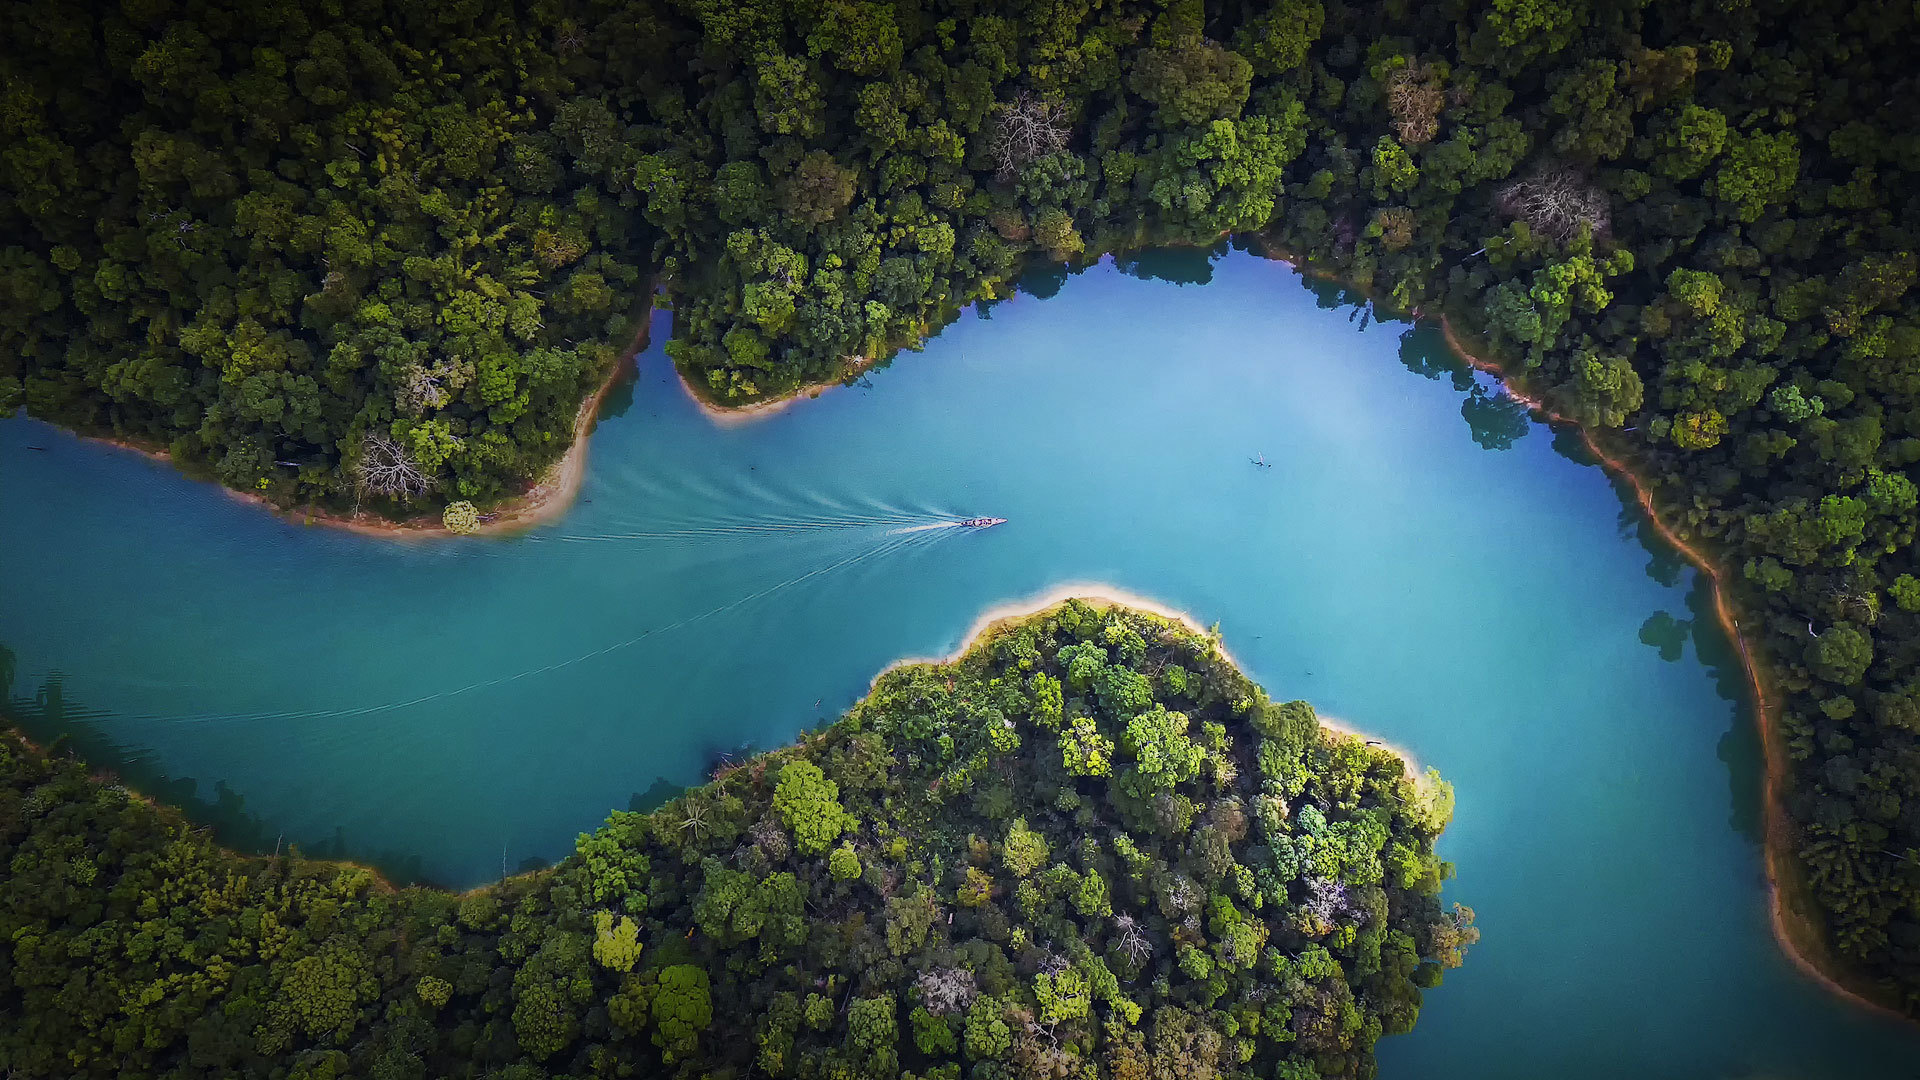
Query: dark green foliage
point(279, 242)
point(1287, 930)
point(287, 240)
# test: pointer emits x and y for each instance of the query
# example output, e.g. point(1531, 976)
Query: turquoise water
point(1419, 560)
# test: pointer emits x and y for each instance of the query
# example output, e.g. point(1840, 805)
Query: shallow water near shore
point(1417, 558)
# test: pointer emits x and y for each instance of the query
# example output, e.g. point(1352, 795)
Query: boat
point(981, 523)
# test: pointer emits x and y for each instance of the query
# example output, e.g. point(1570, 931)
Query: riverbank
point(543, 501)
point(1791, 907)
point(734, 415)
point(11, 732)
point(1100, 597)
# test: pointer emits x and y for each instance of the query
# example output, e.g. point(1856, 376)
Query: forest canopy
point(342, 250)
point(1087, 847)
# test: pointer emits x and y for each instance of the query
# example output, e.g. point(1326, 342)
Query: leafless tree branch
point(1029, 128)
point(1557, 202)
point(385, 468)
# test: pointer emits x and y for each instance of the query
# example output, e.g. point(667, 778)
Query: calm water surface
point(1419, 560)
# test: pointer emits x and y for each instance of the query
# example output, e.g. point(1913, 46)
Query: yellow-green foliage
point(616, 943)
point(434, 991)
point(1024, 850)
point(682, 1009)
point(460, 517)
point(844, 863)
point(809, 804)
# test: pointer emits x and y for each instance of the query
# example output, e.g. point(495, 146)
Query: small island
point(1086, 846)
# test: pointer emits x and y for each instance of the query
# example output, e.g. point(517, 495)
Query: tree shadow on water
point(1179, 265)
point(620, 395)
point(1666, 634)
point(1495, 419)
point(661, 792)
point(1042, 279)
point(1424, 351)
point(65, 727)
point(1664, 563)
point(1740, 748)
point(1329, 295)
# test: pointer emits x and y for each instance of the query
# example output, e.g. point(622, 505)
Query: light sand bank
point(546, 499)
point(1099, 597)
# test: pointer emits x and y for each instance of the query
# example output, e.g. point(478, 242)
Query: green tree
point(1163, 755)
point(1024, 850)
point(682, 1009)
point(616, 942)
point(809, 804)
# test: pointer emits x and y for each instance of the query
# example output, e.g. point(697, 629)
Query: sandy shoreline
point(1799, 937)
point(1100, 596)
point(736, 415)
point(546, 499)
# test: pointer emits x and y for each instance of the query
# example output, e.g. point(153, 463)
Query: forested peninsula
point(353, 253)
point(1087, 846)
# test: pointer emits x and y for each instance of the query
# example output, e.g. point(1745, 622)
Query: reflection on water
point(1666, 634)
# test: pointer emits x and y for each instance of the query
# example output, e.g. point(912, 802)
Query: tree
point(844, 863)
point(1024, 850)
point(1758, 169)
point(1558, 203)
point(1163, 755)
point(616, 942)
point(809, 804)
point(1053, 230)
point(1191, 83)
point(1084, 751)
point(1278, 39)
point(819, 189)
point(460, 517)
point(682, 1009)
point(1690, 137)
point(1605, 390)
point(388, 469)
point(946, 991)
point(1841, 654)
point(987, 1036)
point(1025, 130)
point(873, 1030)
point(322, 993)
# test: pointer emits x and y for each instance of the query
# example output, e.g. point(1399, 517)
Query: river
point(1417, 557)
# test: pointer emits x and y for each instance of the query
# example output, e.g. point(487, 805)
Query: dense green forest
point(1089, 847)
point(336, 250)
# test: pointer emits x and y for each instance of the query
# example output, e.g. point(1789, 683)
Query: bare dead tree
point(946, 991)
point(1135, 944)
point(1853, 602)
point(1415, 101)
point(424, 389)
point(385, 468)
point(1557, 201)
point(1028, 128)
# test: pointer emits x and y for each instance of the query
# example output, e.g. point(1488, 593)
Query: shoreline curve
point(1795, 932)
point(1799, 938)
point(1100, 596)
point(544, 500)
